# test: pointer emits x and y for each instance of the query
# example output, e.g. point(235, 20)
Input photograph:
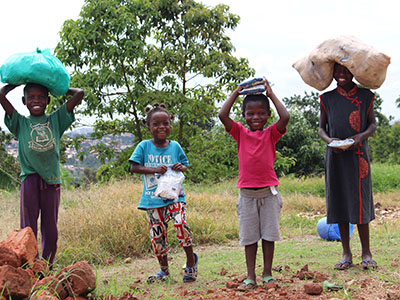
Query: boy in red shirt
point(259, 202)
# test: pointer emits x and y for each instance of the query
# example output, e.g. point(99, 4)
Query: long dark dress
point(347, 174)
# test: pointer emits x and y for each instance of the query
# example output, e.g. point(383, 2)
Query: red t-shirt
point(256, 152)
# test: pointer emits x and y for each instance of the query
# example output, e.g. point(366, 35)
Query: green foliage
point(65, 177)
point(301, 140)
point(9, 167)
point(131, 53)
point(381, 119)
point(115, 169)
point(385, 144)
point(107, 47)
point(385, 177)
point(212, 156)
point(194, 46)
point(308, 105)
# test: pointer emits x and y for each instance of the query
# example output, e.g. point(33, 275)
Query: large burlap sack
point(36, 67)
point(367, 64)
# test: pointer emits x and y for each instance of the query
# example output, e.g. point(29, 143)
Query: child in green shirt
point(39, 137)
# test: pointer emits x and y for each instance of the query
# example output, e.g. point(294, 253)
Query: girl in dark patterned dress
point(347, 112)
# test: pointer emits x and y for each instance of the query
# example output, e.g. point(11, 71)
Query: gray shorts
point(259, 215)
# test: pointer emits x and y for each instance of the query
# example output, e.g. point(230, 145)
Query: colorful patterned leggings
point(158, 221)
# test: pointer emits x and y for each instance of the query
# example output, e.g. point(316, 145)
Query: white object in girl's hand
point(169, 185)
point(341, 144)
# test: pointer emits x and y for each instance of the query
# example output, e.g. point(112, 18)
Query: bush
point(212, 156)
point(385, 177)
point(301, 142)
point(385, 144)
point(115, 169)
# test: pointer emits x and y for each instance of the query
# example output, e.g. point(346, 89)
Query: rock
point(15, 282)
point(128, 296)
point(8, 256)
point(31, 274)
point(44, 295)
point(40, 268)
point(79, 278)
point(270, 285)
point(232, 285)
point(313, 288)
point(23, 243)
point(53, 286)
point(128, 260)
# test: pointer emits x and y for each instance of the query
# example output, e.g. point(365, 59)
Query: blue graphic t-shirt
point(148, 155)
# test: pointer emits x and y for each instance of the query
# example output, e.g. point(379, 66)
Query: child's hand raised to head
point(7, 88)
point(238, 89)
point(268, 89)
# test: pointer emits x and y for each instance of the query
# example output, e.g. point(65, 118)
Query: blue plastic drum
point(330, 232)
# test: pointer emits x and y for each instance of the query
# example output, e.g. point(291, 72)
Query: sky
point(272, 35)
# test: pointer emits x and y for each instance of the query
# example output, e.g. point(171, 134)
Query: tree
point(301, 140)
point(127, 54)
point(108, 49)
point(9, 167)
point(308, 105)
point(193, 46)
point(385, 144)
point(381, 119)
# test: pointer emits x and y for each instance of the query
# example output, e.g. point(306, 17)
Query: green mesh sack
point(36, 67)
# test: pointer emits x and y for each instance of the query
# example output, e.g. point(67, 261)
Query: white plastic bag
point(169, 185)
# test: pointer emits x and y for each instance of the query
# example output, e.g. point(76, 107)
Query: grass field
point(101, 224)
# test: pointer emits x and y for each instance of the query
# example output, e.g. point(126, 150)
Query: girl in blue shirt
point(153, 157)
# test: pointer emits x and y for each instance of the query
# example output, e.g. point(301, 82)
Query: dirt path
point(223, 283)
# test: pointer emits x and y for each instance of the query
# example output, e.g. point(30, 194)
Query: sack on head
point(367, 64)
point(36, 67)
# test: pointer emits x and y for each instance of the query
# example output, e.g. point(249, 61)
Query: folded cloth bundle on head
point(252, 82)
point(36, 67)
point(257, 89)
point(252, 86)
point(367, 64)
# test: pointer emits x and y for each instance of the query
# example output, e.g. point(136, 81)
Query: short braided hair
point(151, 109)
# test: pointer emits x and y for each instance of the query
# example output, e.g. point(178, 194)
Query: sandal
point(369, 264)
point(161, 276)
point(268, 279)
point(343, 265)
point(247, 284)
point(190, 274)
